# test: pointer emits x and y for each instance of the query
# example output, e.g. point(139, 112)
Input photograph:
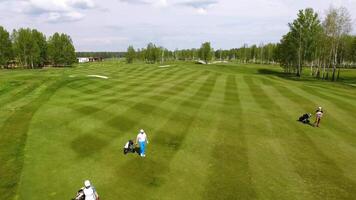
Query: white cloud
point(201, 11)
point(170, 23)
point(160, 3)
point(56, 10)
point(200, 6)
point(55, 17)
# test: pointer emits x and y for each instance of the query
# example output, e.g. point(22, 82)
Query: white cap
point(142, 131)
point(87, 183)
point(319, 108)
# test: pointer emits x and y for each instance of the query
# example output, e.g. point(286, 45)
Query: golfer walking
point(142, 140)
point(318, 115)
point(89, 191)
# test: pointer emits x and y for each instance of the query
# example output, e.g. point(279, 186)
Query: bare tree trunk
point(299, 57)
point(333, 67)
point(323, 76)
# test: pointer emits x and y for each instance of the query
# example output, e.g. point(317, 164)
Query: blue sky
point(112, 25)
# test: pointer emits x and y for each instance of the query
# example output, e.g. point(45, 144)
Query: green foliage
point(255, 54)
point(286, 53)
point(40, 39)
point(205, 52)
point(353, 50)
point(322, 46)
point(100, 54)
point(61, 51)
point(305, 31)
point(152, 53)
point(30, 49)
point(131, 54)
point(26, 43)
point(5, 47)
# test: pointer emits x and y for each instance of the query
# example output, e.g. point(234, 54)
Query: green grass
point(224, 131)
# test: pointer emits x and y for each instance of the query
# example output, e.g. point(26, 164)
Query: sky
point(112, 25)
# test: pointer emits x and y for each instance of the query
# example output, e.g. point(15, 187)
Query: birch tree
point(336, 24)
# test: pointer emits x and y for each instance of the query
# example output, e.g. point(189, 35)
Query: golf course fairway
point(224, 131)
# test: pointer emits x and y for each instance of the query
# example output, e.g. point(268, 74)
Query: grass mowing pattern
point(217, 132)
point(13, 138)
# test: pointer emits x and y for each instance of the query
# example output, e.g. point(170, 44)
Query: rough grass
point(224, 131)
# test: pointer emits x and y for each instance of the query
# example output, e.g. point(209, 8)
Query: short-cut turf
point(225, 131)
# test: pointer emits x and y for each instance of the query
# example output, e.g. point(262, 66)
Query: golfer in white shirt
point(142, 140)
point(89, 191)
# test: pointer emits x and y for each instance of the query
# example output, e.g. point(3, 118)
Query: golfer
point(89, 191)
point(142, 140)
point(318, 115)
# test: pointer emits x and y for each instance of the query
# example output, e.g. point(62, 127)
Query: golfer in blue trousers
point(142, 140)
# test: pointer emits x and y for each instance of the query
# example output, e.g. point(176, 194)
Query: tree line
point(30, 48)
point(103, 55)
point(324, 45)
point(263, 54)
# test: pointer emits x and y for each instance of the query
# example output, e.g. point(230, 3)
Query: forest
point(323, 45)
point(29, 48)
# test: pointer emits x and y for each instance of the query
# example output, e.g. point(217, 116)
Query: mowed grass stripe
point(123, 168)
point(324, 178)
point(332, 119)
point(13, 139)
point(20, 92)
point(148, 104)
point(169, 138)
point(270, 166)
point(190, 163)
point(6, 87)
point(102, 86)
point(170, 78)
point(115, 72)
point(99, 155)
point(229, 169)
point(338, 89)
point(338, 102)
point(158, 96)
point(341, 150)
point(94, 85)
point(154, 81)
point(112, 99)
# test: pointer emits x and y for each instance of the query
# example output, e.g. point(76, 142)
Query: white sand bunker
point(98, 76)
point(164, 66)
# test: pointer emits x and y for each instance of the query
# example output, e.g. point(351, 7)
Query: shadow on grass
point(348, 80)
point(86, 145)
point(308, 123)
point(284, 75)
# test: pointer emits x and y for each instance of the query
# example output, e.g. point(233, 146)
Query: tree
point(353, 50)
point(61, 51)
point(287, 53)
point(26, 48)
point(130, 55)
point(304, 31)
point(40, 40)
point(205, 52)
point(152, 53)
point(5, 47)
point(336, 24)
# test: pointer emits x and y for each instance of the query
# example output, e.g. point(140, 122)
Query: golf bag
point(130, 148)
point(305, 118)
point(80, 195)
